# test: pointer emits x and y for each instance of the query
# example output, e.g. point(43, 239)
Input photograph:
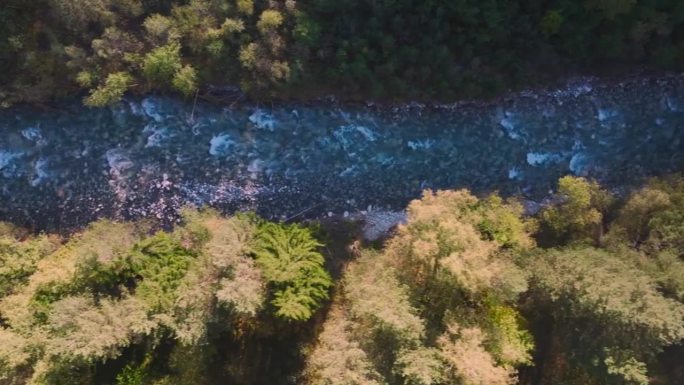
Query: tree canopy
point(468, 291)
point(357, 49)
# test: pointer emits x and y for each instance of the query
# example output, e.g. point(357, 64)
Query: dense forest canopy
point(388, 49)
point(468, 291)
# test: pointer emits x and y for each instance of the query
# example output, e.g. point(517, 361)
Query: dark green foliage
point(131, 376)
point(160, 262)
point(162, 63)
point(383, 49)
point(610, 314)
point(289, 259)
point(110, 91)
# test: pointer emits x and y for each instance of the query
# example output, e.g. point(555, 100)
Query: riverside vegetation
point(468, 291)
point(355, 48)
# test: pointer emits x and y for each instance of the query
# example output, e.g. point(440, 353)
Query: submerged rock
point(580, 164)
point(222, 145)
point(263, 120)
point(8, 160)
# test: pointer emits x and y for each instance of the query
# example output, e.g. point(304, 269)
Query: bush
point(111, 91)
point(131, 376)
point(161, 64)
point(269, 20)
point(185, 80)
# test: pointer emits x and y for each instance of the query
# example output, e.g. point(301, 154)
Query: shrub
point(111, 91)
point(161, 64)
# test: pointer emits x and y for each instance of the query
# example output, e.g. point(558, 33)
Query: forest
point(470, 290)
point(356, 49)
point(582, 286)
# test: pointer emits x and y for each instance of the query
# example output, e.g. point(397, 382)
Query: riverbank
point(231, 96)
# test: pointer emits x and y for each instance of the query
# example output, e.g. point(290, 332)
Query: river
point(63, 167)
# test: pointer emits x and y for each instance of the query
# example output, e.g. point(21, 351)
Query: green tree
point(307, 31)
point(162, 262)
point(454, 232)
point(636, 215)
point(370, 283)
point(293, 268)
point(224, 271)
point(245, 6)
point(85, 79)
point(161, 64)
point(131, 375)
point(579, 211)
point(81, 328)
point(77, 14)
point(610, 315)
point(666, 227)
point(160, 29)
point(450, 277)
point(232, 26)
point(269, 20)
point(652, 218)
point(115, 50)
point(422, 366)
point(248, 55)
point(111, 91)
point(185, 80)
point(19, 257)
point(469, 363)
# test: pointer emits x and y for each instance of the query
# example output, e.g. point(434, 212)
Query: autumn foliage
point(461, 293)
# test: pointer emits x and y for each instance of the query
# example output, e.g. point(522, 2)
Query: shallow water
point(151, 156)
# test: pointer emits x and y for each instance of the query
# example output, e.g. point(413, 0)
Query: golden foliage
point(245, 291)
point(103, 241)
point(370, 284)
point(579, 213)
point(337, 359)
point(269, 20)
point(79, 328)
point(468, 361)
point(13, 353)
point(456, 231)
point(421, 366)
point(223, 272)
